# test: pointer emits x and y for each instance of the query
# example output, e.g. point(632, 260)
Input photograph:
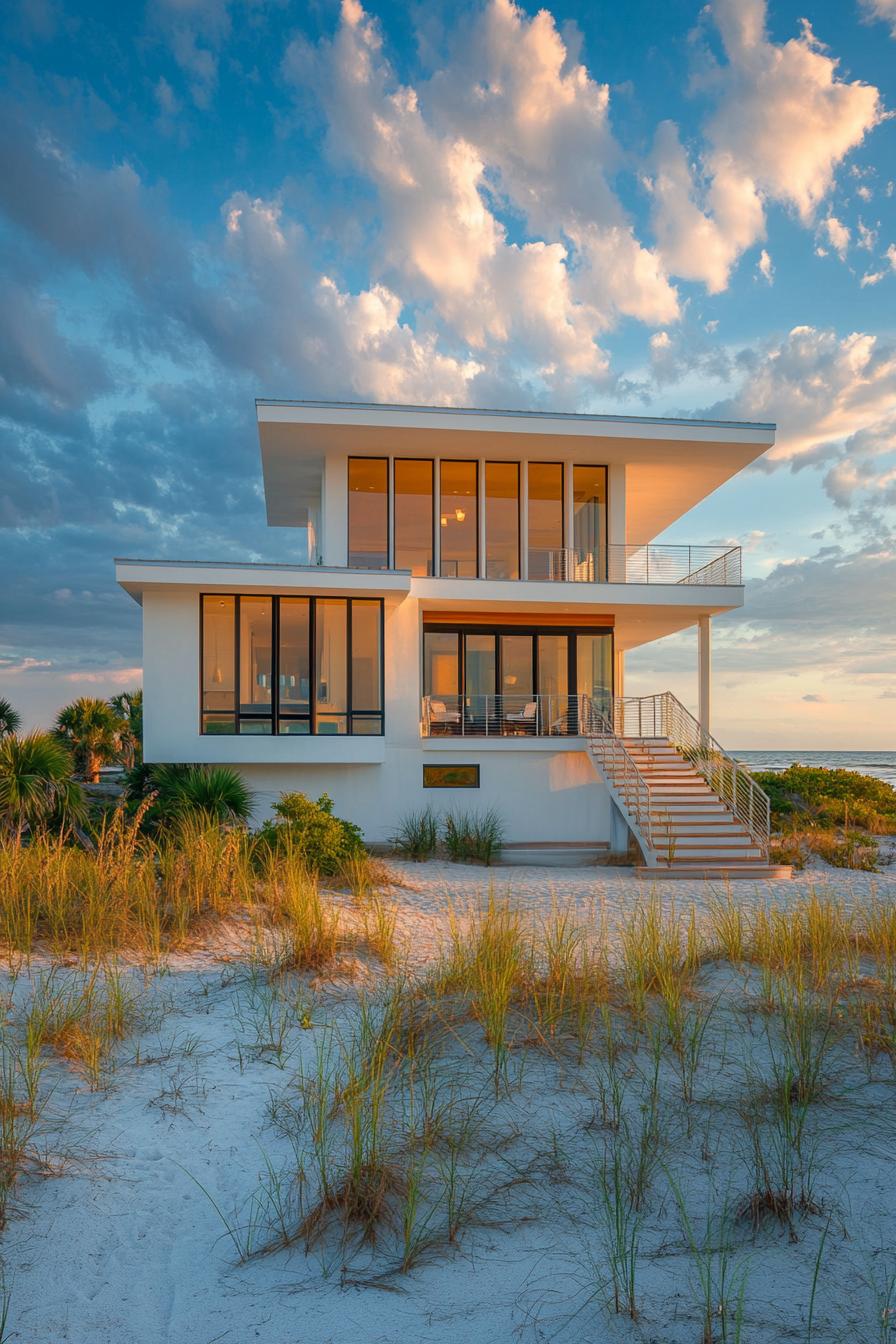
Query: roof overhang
point(671, 464)
point(139, 576)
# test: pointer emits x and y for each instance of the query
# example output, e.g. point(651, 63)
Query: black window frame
point(533, 630)
point(371, 457)
point(274, 716)
point(467, 765)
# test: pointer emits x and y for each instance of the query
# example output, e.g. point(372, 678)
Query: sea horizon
point(878, 764)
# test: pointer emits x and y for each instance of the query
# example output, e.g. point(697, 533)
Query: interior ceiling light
point(459, 515)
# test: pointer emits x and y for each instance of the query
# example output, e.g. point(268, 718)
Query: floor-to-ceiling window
point(368, 512)
point(502, 520)
point(589, 522)
point(511, 681)
point(291, 665)
point(413, 526)
point(459, 519)
point(545, 540)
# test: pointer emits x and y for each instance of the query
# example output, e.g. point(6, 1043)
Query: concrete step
point(725, 872)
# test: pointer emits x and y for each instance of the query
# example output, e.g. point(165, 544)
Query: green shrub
point(217, 793)
point(829, 798)
point(324, 842)
point(417, 836)
point(472, 836)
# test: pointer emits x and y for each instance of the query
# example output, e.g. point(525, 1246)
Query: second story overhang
point(668, 465)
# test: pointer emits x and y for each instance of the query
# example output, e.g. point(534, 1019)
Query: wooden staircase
point(687, 811)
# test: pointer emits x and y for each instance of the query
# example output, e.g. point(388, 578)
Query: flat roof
point(585, 416)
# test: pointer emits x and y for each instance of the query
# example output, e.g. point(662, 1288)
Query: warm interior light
point(444, 521)
point(459, 515)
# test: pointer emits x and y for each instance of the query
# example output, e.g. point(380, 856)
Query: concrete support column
point(619, 673)
point(704, 673)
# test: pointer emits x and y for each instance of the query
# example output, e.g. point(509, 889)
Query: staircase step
point(725, 872)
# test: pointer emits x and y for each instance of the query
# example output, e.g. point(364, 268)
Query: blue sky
point(654, 208)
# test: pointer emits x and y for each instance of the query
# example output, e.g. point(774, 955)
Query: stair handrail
point(621, 773)
point(663, 715)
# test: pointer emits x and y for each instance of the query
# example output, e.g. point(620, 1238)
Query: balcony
point(716, 565)
point(506, 715)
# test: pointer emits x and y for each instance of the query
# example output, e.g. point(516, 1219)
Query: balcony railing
point(640, 564)
point(506, 715)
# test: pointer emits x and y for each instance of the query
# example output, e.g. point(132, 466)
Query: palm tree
point(217, 792)
point(36, 785)
point(129, 708)
point(92, 729)
point(10, 719)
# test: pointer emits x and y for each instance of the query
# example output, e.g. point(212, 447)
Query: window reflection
point(459, 519)
point(545, 480)
point(413, 515)
point(589, 510)
point(218, 664)
point(368, 512)
point(502, 520)
point(256, 662)
point(330, 666)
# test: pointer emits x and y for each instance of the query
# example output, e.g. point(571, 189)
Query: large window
point(459, 519)
point(510, 680)
point(545, 518)
point(413, 515)
point(589, 522)
point(502, 520)
point(368, 512)
point(291, 665)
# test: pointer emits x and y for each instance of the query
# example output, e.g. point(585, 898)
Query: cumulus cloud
point(783, 120)
point(837, 234)
point(882, 10)
point(834, 399)
point(765, 267)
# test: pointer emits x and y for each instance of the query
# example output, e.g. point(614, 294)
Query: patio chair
point(525, 720)
point(442, 718)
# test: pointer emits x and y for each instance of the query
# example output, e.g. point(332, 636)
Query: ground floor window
point(451, 776)
point(291, 665)
point(513, 679)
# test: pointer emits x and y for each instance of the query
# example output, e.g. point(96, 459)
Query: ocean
point(880, 764)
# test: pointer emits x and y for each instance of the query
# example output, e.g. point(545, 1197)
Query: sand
point(127, 1245)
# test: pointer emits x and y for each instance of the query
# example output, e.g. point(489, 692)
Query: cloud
point(834, 399)
point(883, 10)
point(837, 234)
point(195, 31)
point(765, 268)
point(509, 120)
point(814, 699)
point(783, 121)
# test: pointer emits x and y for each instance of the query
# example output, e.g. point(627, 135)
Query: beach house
point(454, 630)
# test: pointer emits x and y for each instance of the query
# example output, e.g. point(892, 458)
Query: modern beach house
point(456, 632)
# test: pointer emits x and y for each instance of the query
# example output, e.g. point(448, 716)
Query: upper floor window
point(589, 521)
point(545, 518)
point(502, 520)
point(291, 665)
point(368, 512)
point(459, 520)
point(414, 515)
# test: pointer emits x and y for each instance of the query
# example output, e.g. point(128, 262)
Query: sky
point(650, 208)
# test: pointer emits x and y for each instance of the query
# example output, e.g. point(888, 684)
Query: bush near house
point(309, 829)
point(834, 814)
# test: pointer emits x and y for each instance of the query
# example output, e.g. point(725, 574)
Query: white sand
point(123, 1247)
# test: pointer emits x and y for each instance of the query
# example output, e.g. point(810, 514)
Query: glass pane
point(413, 516)
point(459, 520)
point(553, 684)
point(440, 663)
point(589, 512)
point(218, 663)
point(451, 776)
point(367, 725)
point(368, 512)
point(294, 727)
point(479, 680)
point(545, 517)
point(594, 668)
point(366, 660)
point(502, 520)
point(255, 653)
point(516, 666)
point(294, 673)
point(255, 727)
point(331, 664)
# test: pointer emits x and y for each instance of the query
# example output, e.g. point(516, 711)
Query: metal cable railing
point(514, 715)
point(621, 773)
point(665, 716)
point(695, 565)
